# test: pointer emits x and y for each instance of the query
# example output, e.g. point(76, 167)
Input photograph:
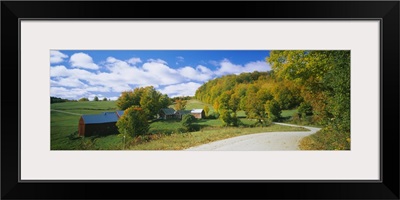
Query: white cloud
point(111, 60)
point(121, 75)
point(201, 73)
point(260, 66)
point(213, 62)
point(179, 59)
point(161, 74)
point(63, 92)
point(67, 82)
point(57, 57)
point(133, 61)
point(182, 89)
point(226, 67)
point(157, 61)
point(82, 60)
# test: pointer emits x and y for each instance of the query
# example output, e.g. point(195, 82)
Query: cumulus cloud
point(227, 67)
point(157, 61)
point(200, 73)
point(133, 61)
point(182, 89)
point(161, 74)
point(67, 82)
point(68, 93)
point(82, 60)
point(57, 57)
point(116, 76)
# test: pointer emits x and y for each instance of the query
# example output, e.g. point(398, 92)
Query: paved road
point(66, 112)
point(269, 141)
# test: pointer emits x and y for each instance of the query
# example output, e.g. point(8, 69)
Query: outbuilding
point(99, 124)
point(167, 113)
point(198, 113)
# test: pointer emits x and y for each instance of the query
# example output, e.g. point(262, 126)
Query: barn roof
point(197, 111)
point(168, 111)
point(106, 117)
point(182, 112)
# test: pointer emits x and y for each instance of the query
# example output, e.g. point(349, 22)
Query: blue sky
point(106, 73)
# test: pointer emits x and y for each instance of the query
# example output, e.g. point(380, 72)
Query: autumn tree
point(324, 81)
point(133, 122)
point(180, 104)
point(149, 99)
point(206, 110)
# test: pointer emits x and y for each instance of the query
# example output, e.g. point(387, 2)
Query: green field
point(65, 119)
point(288, 113)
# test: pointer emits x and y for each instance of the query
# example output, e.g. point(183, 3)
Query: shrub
point(213, 115)
point(187, 122)
point(305, 109)
point(273, 110)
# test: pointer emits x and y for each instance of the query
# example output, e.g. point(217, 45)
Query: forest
point(317, 83)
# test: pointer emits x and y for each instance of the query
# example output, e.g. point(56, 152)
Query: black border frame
point(386, 11)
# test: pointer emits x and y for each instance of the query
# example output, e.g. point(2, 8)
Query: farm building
point(180, 113)
point(99, 124)
point(198, 113)
point(167, 113)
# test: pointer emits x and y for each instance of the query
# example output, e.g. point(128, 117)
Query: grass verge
point(326, 139)
point(179, 141)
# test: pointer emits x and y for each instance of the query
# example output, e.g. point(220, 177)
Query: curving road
point(268, 141)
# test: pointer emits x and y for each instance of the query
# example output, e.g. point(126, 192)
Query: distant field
point(65, 119)
point(64, 126)
point(288, 113)
point(196, 104)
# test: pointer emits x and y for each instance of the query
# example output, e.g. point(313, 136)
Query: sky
point(106, 73)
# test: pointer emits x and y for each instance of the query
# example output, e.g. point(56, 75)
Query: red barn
point(99, 124)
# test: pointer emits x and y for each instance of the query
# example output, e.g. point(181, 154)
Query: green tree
point(304, 109)
point(187, 122)
point(165, 101)
point(83, 99)
point(150, 100)
point(133, 122)
point(273, 110)
point(104, 99)
point(228, 118)
point(130, 98)
point(96, 98)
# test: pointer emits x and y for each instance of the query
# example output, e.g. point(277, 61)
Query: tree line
point(317, 83)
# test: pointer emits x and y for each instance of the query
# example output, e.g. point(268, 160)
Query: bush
point(213, 115)
point(305, 109)
point(187, 122)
